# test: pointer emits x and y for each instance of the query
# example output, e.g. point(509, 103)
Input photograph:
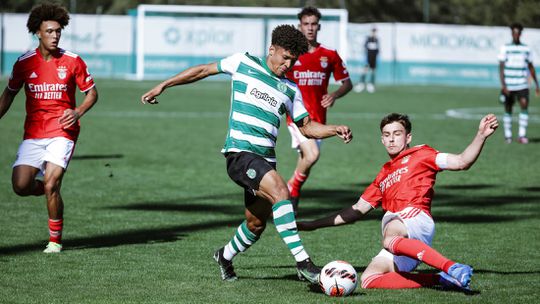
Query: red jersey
point(311, 73)
point(405, 181)
point(50, 90)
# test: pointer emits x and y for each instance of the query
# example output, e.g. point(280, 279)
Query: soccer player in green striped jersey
point(261, 95)
point(515, 63)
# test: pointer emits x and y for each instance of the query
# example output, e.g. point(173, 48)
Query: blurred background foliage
point(474, 12)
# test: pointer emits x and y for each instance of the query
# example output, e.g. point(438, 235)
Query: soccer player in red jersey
point(311, 73)
point(404, 189)
point(49, 75)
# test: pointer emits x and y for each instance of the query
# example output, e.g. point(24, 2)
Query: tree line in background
point(474, 12)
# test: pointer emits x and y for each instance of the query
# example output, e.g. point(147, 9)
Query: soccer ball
point(338, 279)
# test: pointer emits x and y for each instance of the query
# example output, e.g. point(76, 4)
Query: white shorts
point(297, 138)
point(37, 152)
point(420, 226)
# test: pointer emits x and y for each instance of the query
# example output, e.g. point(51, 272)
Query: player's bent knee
point(22, 189)
point(279, 193)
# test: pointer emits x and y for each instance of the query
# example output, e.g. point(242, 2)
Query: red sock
point(418, 250)
point(400, 280)
point(296, 182)
point(55, 230)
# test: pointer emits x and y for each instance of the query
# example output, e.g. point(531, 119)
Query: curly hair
point(290, 38)
point(46, 12)
point(309, 11)
point(517, 26)
point(397, 117)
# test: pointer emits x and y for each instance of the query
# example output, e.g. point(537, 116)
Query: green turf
point(148, 201)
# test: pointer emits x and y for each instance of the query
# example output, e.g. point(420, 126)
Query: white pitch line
point(477, 113)
point(459, 113)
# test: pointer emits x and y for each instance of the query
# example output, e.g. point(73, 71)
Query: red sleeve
point(340, 70)
point(373, 194)
point(82, 77)
point(429, 156)
point(16, 80)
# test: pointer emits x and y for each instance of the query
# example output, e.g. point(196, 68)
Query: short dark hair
point(290, 38)
point(397, 117)
point(309, 11)
point(46, 12)
point(516, 25)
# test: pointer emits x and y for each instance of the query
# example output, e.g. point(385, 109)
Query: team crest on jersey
point(405, 159)
point(62, 72)
point(251, 173)
point(282, 87)
point(324, 62)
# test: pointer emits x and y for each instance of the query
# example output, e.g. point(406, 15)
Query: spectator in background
point(515, 63)
point(372, 50)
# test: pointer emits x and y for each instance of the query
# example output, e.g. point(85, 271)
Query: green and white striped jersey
point(259, 98)
point(516, 58)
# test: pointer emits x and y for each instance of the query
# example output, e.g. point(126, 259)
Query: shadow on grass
point(485, 202)
point(467, 187)
point(532, 189)
point(97, 156)
point(320, 203)
point(533, 272)
point(142, 236)
point(183, 207)
point(479, 218)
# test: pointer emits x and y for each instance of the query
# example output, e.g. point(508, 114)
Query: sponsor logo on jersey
point(33, 75)
point(47, 87)
point(309, 78)
point(89, 77)
point(62, 72)
point(297, 63)
point(264, 96)
point(392, 178)
point(324, 62)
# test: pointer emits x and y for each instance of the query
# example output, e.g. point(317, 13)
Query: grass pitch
point(148, 201)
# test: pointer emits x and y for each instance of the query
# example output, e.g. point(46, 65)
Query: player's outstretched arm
point(189, 75)
point(463, 161)
point(346, 216)
point(313, 129)
point(6, 100)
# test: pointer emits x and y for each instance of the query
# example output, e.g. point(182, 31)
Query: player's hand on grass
point(344, 133)
point(488, 125)
point(68, 118)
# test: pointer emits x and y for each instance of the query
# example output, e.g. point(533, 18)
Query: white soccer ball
point(338, 279)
